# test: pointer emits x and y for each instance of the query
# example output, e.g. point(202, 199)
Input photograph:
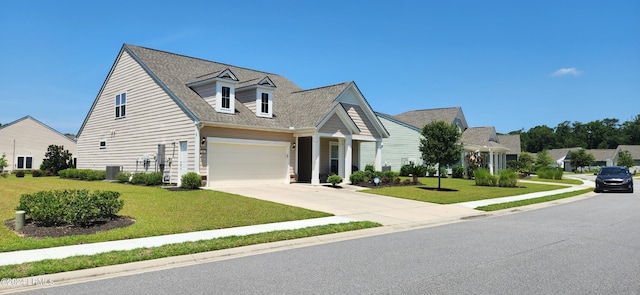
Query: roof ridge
point(201, 59)
point(322, 87)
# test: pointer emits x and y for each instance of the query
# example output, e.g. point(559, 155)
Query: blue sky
point(508, 64)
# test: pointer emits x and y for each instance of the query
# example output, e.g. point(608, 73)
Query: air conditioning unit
point(112, 172)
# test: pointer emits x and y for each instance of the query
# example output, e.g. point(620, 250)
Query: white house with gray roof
point(160, 111)
point(402, 147)
point(25, 141)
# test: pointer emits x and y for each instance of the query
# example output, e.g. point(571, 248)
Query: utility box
point(112, 172)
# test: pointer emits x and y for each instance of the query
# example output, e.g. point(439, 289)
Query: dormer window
point(264, 103)
point(226, 97)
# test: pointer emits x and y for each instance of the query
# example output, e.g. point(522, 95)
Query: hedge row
point(76, 207)
point(140, 178)
point(506, 178)
point(83, 174)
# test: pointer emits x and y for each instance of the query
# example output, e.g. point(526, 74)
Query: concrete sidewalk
point(347, 204)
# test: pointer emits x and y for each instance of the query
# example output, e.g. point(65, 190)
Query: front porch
point(320, 156)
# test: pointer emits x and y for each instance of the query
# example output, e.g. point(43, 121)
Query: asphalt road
point(585, 247)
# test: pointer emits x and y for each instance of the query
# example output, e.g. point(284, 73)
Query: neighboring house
point(484, 141)
point(609, 157)
point(559, 155)
point(634, 150)
point(602, 157)
point(160, 111)
point(26, 141)
point(402, 147)
point(513, 143)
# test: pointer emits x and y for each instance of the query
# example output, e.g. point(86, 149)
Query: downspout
point(196, 165)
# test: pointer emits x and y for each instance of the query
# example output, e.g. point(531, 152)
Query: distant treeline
point(599, 134)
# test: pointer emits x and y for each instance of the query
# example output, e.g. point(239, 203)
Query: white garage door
point(247, 162)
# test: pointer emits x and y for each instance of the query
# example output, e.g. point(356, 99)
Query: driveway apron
point(347, 202)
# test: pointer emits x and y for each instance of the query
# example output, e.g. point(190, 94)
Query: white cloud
point(566, 71)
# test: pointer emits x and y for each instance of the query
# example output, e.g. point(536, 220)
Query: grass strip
point(507, 205)
point(51, 266)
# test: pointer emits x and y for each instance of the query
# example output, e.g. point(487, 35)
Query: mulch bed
point(31, 230)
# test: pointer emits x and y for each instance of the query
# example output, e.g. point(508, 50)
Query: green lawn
point(156, 211)
point(457, 190)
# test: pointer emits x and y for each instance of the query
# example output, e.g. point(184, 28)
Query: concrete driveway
point(347, 202)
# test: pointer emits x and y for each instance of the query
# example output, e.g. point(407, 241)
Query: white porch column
point(348, 158)
point(491, 161)
point(378, 163)
point(315, 159)
point(341, 159)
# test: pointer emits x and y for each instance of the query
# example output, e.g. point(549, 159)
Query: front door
point(182, 160)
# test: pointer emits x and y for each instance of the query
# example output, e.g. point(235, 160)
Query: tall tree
point(56, 159)
point(631, 131)
point(439, 145)
point(540, 138)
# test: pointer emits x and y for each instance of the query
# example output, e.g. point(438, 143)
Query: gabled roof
point(512, 142)
point(602, 155)
point(419, 118)
point(293, 107)
point(43, 125)
point(482, 137)
point(634, 150)
point(557, 154)
point(393, 119)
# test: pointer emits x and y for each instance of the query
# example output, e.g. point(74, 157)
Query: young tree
point(439, 145)
point(581, 158)
point(525, 162)
point(56, 159)
point(625, 159)
point(3, 163)
point(543, 160)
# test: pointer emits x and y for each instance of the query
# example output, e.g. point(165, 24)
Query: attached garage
point(240, 161)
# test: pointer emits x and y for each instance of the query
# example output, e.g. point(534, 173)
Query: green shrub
point(457, 172)
point(83, 174)
point(44, 207)
point(370, 168)
point(191, 180)
point(19, 173)
point(483, 177)
point(334, 179)
point(357, 177)
point(508, 178)
point(153, 178)
point(37, 173)
point(389, 174)
point(123, 177)
point(76, 207)
point(139, 178)
point(432, 171)
point(550, 173)
point(443, 172)
point(4, 174)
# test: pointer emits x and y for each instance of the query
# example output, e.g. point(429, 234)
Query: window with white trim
point(264, 104)
point(121, 104)
point(226, 97)
point(24, 162)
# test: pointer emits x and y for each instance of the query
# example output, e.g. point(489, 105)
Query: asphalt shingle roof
point(481, 136)
point(512, 142)
point(419, 118)
point(292, 106)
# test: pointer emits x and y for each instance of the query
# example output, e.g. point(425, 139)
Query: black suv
point(614, 178)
